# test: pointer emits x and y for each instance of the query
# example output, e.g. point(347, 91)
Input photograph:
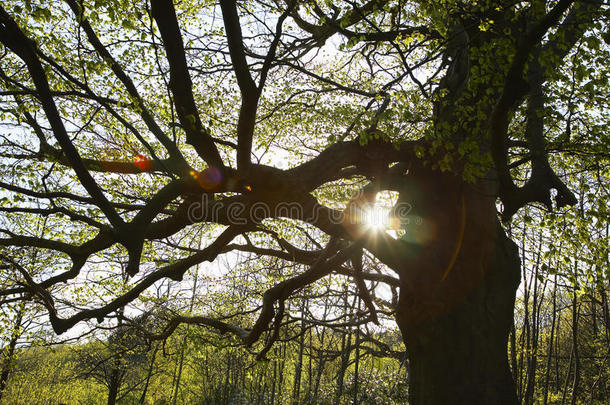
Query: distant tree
point(136, 126)
point(116, 362)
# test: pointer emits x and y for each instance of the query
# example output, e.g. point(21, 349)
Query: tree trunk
point(296, 388)
point(272, 401)
point(321, 359)
point(524, 337)
point(113, 387)
point(575, 343)
point(115, 377)
point(532, 363)
point(345, 352)
point(10, 351)
point(547, 379)
point(458, 354)
point(356, 361)
point(151, 368)
point(178, 371)
point(281, 366)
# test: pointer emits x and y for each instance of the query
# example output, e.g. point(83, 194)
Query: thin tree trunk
point(576, 381)
point(178, 372)
point(260, 394)
point(606, 319)
point(557, 352)
point(309, 367)
point(321, 359)
point(550, 344)
point(345, 352)
point(115, 374)
point(113, 389)
point(296, 389)
point(149, 374)
point(226, 392)
point(594, 314)
point(356, 360)
point(567, 380)
point(606, 315)
point(272, 402)
point(524, 338)
point(282, 365)
point(184, 339)
point(533, 354)
point(346, 348)
point(10, 350)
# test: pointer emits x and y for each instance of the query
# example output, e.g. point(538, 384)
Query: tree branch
point(515, 88)
point(181, 167)
point(14, 39)
point(181, 85)
point(250, 93)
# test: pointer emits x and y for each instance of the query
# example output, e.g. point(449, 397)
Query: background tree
point(135, 128)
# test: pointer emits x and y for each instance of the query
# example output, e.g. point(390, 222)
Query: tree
point(114, 363)
point(132, 125)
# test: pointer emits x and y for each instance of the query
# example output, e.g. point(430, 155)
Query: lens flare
point(143, 163)
point(209, 179)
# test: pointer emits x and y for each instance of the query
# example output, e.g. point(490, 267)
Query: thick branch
point(181, 85)
point(284, 289)
point(250, 93)
point(515, 89)
point(221, 326)
point(174, 271)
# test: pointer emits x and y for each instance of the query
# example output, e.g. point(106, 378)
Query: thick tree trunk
point(457, 297)
point(460, 357)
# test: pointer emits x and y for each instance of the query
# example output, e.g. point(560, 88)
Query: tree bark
point(272, 401)
point(460, 357)
point(455, 322)
point(576, 381)
point(346, 347)
point(116, 375)
point(298, 369)
point(356, 361)
point(321, 359)
point(532, 362)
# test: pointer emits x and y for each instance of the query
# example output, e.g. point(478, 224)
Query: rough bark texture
point(456, 328)
point(460, 357)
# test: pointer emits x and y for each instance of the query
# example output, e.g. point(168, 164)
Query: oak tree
point(133, 129)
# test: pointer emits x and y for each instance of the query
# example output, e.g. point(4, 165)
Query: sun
point(376, 217)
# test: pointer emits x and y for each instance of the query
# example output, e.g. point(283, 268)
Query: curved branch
point(515, 89)
point(173, 271)
point(14, 39)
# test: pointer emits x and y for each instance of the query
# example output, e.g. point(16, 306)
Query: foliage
point(208, 168)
